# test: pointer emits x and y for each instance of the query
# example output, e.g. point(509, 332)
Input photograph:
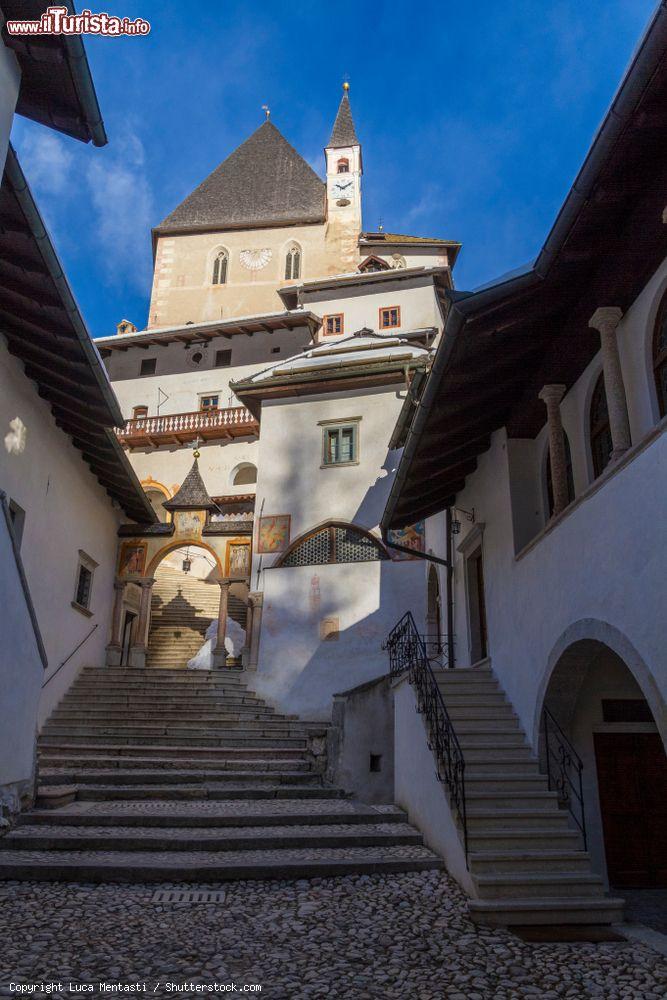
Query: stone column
point(606, 319)
point(256, 599)
point(138, 650)
point(219, 651)
point(114, 649)
point(551, 396)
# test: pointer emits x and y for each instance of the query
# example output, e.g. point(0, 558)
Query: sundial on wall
point(255, 260)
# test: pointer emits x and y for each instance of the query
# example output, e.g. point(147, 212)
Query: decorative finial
point(346, 86)
point(267, 111)
point(380, 227)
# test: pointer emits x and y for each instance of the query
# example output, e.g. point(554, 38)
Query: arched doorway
point(598, 721)
point(433, 614)
point(185, 603)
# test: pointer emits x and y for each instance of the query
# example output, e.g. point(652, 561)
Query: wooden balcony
point(182, 428)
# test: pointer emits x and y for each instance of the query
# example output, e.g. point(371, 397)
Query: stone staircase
point(182, 608)
point(165, 776)
point(525, 858)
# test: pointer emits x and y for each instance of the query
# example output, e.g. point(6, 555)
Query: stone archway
point(600, 721)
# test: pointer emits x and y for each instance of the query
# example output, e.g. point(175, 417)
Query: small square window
point(148, 366)
point(375, 763)
point(138, 412)
point(223, 359)
point(390, 317)
point(333, 325)
point(340, 445)
point(84, 583)
point(275, 350)
point(209, 402)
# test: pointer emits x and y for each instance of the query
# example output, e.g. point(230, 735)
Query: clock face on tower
point(343, 187)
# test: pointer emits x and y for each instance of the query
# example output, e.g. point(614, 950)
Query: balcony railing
point(180, 428)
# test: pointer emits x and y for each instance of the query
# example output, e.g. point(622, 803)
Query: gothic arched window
point(293, 262)
point(220, 268)
point(568, 470)
point(660, 356)
point(343, 166)
point(600, 431)
point(334, 543)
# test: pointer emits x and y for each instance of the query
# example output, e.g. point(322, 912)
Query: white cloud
point(48, 160)
point(123, 204)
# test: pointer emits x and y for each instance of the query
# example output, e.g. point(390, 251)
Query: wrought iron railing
point(564, 771)
point(437, 647)
point(408, 653)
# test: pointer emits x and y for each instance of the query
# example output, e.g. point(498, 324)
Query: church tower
point(344, 169)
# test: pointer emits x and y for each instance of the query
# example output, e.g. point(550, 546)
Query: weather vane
point(267, 111)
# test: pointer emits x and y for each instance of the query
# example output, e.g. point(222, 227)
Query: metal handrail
point(407, 653)
point(68, 658)
point(561, 761)
point(436, 645)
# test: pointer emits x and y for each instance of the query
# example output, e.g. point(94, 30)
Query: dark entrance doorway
point(632, 784)
point(128, 629)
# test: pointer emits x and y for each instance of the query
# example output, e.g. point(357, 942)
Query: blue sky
point(474, 119)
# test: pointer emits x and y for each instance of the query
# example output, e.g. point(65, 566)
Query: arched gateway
point(599, 736)
point(146, 554)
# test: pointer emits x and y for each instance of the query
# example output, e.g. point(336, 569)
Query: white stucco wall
point(361, 304)
point(66, 510)
point(21, 676)
point(10, 80)
point(599, 569)
point(298, 671)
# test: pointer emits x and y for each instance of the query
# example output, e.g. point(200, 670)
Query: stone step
point(194, 728)
point(211, 866)
point(555, 912)
point(233, 838)
point(486, 799)
point(122, 750)
point(502, 739)
point(134, 673)
point(474, 698)
point(536, 885)
point(252, 720)
point(464, 675)
point(260, 764)
point(249, 813)
point(470, 689)
point(507, 726)
point(465, 713)
point(208, 742)
point(118, 699)
point(220, 685)
point(164, 777)
point(502, 766)
point(537, 838)
point(185, 792)
point(515, 819)
point(513, 862)
point(508, 784)
point(485, 753)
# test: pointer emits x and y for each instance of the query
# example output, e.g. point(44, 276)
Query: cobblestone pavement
point(353, 937)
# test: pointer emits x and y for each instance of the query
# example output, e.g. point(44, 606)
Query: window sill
point(84, 611)
point(338, 465)
point(609, 473)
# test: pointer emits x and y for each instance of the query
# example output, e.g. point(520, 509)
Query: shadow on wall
point(323, 628)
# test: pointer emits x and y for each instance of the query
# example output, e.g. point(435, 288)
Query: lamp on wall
point(456, 524)
point(187, 562)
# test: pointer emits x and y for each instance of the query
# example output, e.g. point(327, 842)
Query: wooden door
point(632, 782)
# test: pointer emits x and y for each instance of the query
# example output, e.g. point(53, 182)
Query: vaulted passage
point(595, 704)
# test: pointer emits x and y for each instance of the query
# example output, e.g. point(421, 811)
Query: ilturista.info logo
point(59, 21)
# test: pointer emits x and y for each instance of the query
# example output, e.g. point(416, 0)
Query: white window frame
point(340, 425)
point(207, 395)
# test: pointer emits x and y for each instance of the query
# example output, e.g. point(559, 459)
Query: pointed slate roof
point(192, 494)
point(264, 182)
point(343, 132)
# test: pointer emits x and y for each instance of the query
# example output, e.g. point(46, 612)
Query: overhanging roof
point(292, 295)
point(44, 329)
point(504, 342)
point(370, 239)
point(248, 325)
point(56, 86)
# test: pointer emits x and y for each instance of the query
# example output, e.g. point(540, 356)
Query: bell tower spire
point(344, 170)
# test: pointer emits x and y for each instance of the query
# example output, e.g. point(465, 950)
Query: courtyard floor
point(353, 937)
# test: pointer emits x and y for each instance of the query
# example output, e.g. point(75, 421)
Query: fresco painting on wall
point(273, 533)
point(238, 559)
point(411, 537)
point(132, 560)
